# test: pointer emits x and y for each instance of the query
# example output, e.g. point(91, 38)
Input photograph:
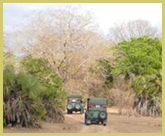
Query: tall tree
point(63, 37)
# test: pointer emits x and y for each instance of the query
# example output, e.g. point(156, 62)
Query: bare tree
point(66, 38)
point(136, 28)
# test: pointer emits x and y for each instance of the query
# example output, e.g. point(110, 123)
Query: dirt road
point(116, 124)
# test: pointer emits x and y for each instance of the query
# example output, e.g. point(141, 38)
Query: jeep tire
point(103, 115)
point(77, 106)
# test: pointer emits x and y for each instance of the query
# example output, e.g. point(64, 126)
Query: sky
point(106, 14)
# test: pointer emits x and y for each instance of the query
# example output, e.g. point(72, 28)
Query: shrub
point(32, 94)
point(53, 98)
point(19, 105)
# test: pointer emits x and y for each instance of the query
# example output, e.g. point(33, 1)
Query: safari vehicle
point(75, 103)
point(96, 111)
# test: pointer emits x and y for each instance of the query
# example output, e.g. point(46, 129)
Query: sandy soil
point(116, 124)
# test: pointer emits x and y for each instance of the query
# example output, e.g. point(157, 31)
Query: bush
point(53, 98)
point(32, 94)
point(19, 106)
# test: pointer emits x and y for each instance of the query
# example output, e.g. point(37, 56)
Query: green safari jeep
point(75, 103)
point(96, 111)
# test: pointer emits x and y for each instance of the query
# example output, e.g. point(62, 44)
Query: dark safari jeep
point(74, 103)
point(96, 111)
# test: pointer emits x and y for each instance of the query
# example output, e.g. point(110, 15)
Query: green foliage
point(33, 94)
point(40, 69)
point(53, 97)
point(105, 68)
point(140, 61)
point(148, 91)
point(19, 106)
point(140, 56)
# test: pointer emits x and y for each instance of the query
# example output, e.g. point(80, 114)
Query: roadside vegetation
point(32, 93)
point(139, 63)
